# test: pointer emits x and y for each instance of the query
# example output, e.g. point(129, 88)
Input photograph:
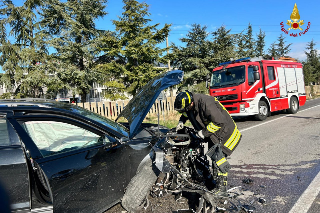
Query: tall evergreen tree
point(282, 48)
point(273, 50)
point(312, 64)
point(240, 40)
point(133, 51)
point(249, 42)
point(312, 54)
point(24, 57)
point(308, 73)
point(245, 43)
point(260, 44)
point(223, 45)
point(73, 34)
point(196, 58)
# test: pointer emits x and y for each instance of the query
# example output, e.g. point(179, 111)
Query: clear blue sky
point(235, 15)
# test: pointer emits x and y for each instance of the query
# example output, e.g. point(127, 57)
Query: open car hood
point(138, 107)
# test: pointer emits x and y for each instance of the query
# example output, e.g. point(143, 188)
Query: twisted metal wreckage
point(185, 168)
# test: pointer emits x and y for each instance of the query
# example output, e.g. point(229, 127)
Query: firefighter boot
point(221, 185)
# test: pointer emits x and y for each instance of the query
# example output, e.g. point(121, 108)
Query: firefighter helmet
point(183, 101)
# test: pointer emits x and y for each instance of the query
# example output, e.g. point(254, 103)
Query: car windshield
point(228, 77)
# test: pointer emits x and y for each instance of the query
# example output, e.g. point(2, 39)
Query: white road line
point(242, 130)
point(308, 196)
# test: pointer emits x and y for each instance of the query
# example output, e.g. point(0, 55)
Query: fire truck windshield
point(227, 77)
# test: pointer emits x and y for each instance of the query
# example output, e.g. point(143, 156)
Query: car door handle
point(63, 174)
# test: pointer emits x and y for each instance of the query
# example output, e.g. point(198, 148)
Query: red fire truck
point(257, 86)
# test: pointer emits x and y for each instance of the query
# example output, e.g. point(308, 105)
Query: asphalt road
point(281, 157)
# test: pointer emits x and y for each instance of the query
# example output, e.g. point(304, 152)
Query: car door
point(80, 168)
point(13, 167)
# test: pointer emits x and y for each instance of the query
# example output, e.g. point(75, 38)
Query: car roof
point(48, 106)
point(40, 102)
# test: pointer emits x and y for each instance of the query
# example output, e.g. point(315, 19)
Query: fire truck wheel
point(294, 105)
point(263, 111)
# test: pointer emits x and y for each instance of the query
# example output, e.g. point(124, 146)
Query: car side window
point(8, 136)
point(53, 137)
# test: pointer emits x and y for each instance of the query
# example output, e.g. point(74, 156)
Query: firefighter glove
point(179, 126)
point(200, 134)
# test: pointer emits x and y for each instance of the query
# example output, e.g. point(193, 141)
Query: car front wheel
point(139, 186)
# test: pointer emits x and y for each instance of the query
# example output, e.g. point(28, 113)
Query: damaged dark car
point(63, 157)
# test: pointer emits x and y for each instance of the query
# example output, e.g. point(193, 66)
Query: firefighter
point(213, 124)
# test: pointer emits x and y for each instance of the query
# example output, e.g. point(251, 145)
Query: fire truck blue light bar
point(235, 61)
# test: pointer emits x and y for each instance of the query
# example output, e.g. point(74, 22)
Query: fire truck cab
point(257, 87)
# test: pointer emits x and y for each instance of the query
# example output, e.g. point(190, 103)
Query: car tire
point(294, 105)
point(139, 187)
point(263, 111)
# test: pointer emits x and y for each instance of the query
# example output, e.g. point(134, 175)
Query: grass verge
point(170, 120)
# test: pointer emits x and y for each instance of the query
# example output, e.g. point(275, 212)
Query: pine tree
point(308, 73)
point(73, 34)
point(195, 59)
point(133, 51)
point(249, 42)
point(273, 50)
point(241, 49)
point(312, 54)
point(312, 64)
point(223, 45)
point(24, 58)
point(260, 44)
point(245, 43)
point(282, 48)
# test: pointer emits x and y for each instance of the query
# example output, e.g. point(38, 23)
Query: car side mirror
point(256, 76)
point(255, 68)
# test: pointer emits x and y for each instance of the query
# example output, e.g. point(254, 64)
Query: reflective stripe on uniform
point(183, 103)
point(189, 97)
point(221, 161)
point(212, 128)
point(231, 137)
point(223, 174)
point(234, 139)
point(184, 114)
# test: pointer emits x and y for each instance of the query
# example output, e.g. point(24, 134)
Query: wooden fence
point(111, 109)
point(315, 91)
